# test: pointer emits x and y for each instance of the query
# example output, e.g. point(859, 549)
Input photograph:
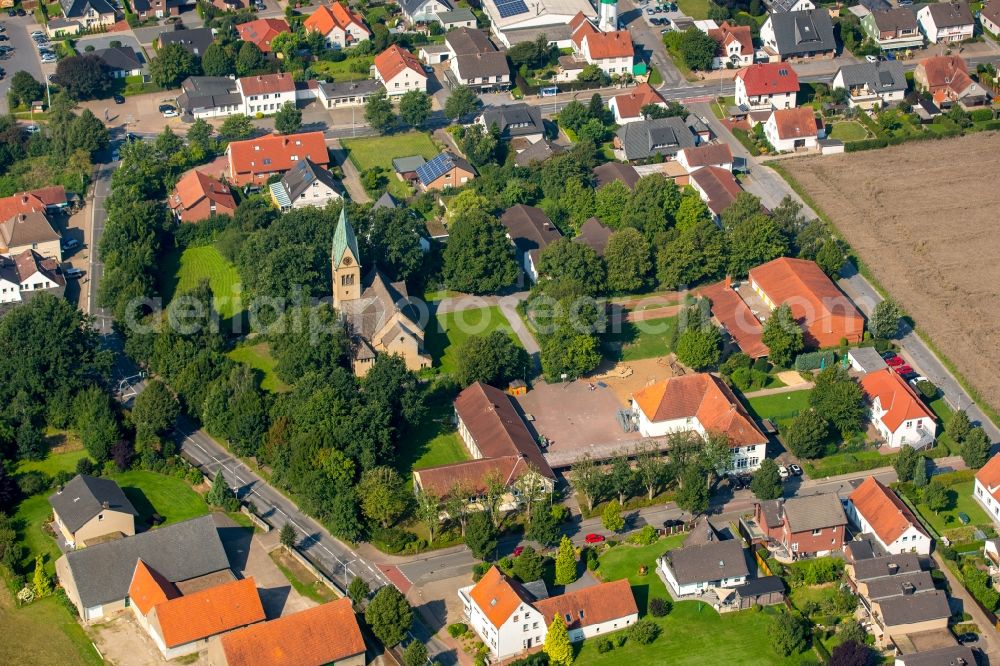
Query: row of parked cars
point(43, 45)
point(900, 366)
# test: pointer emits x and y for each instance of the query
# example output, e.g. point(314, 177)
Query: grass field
point(52, 465)
point(696, 9)
point(645, 339)
point(259, 358)
point(444, 340)
point(961, 502)
point(304, 582)
point(183, 271)
point(30, 518)
point(848, 130)
point(817, 594)
point(168, 496)
point(379, 151)
point(42, 633)
point(340, 71)
point(434, 442)
point(780, 407)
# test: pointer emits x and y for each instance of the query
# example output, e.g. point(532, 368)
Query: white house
point(734, 46)
point(706, 155)
point(423, 11)
point(791, 5)
point(871, 84)
point(896, 411)
point(627, 107)
point(339, 25)
point(399, 71)
point(266, 93)
point(876, 510)
point(700, 403)
point(766, 86)
point(945, 22)
point(705, 564)
point(987, 488)
point(611, 51)
point(792, 129)
point(28, 273)
point(989, 17)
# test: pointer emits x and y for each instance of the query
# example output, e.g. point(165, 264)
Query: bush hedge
point(814, 360)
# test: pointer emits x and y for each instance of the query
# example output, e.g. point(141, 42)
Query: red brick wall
point(830, 538)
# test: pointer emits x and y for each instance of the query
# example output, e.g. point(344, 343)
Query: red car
point(903, 369)
point(518, 551)
point(894, 361)
point(594, 538)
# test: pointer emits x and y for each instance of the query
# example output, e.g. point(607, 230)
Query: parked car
point(168, 111)
point(650, 11)
point(795, 470)
point(11, 12)
point(886, 355)
point(73, 273)
point(903, 369)
point(49, 58)
point(673, 522)
point(783, 472)
point(594, 538)
point(118, 99)
point(3, 38)
point(31, 129)
point(908, 376)
point(70, 244)
point(916, 380)
point(968, 638)
point(871, 58)
point(894, 361)
point(518, 551)
point(21, 12)
point(37, 33)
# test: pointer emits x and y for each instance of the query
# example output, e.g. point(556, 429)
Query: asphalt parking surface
point(24, 57)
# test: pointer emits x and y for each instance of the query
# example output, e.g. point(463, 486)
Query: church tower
point(345, 260)
point(608, 17)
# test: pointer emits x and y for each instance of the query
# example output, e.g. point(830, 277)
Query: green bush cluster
point(814, 360)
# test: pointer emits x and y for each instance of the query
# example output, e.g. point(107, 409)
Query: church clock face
point(347, 261)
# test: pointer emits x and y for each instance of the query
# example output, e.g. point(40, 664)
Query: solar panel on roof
point(428, 172)
point(508, 8)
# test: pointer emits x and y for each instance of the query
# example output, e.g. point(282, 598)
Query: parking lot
point(660, 15)
point(24, 56)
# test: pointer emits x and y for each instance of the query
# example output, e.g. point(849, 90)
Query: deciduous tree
point(155, 410)
point(478, 258)
point(700, 347)
point(807, 434)
point(783, 336)
point(25, 89)
point(838, 399)
point(83, 76)
point(493, 358)
point(975, 448)
point(959, 426)
point(461, 102)
point(381, 495)
point(766, 483)
point(627, 258)
point(612, 518)
point(172, 64)
point(788, 632)
point(389, 615)
point(693, 494)
point(288, 119)
point(415, 107)
point(379, 113)
point(884, 322)
point(480, 536)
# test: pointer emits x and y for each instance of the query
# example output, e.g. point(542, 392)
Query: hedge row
point(814, 360)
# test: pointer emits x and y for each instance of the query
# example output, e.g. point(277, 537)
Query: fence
point(301, 559)
point(254, 518)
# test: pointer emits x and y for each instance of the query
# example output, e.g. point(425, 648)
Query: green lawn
point(696, 9)
point(780, 407)
point(379, 151)
point(30, 518)
point(817, 594)
point(259, 358)
point(53, 464)
point(43, 632)
point(340, 71)
point(962, 501)
point(304, 582)
point(183, 271)
point(944, 412)
point(434, 442)
point(847, 130)
point(168, 496)
point(845, 463)
point(444, 340)
point(639, 340)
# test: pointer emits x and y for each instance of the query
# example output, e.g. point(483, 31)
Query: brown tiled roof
point(529, 227)
point(149, 588)
point(795, 123)
point(950, 72)
point(273, 153)
point(321, 635)
point(209, 612)
point(394, 60)
point(708, 154)
point(27, 229)
point(498, 596)
point(701, 395)
point(606, 173)
point(30, 262)
point(594, 235)
point(989, 476)
point(769, 79)
point(591, 605)
point(470, 475)
point(262, 31)
point(281, 82)
point(719, 186)
point(733, 313)
point(726, 34)
point(195, 186)
point(899, 401)
point(883, 510)
point(630, 104)
point(991, 12)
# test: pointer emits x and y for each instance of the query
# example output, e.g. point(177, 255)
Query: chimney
point(893, 568)
point(105, 504)
point(908, 588)
point(722, 564)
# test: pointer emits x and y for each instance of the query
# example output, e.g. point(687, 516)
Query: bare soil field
point(923, 217)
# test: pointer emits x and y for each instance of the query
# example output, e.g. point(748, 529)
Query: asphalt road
point(24, 57)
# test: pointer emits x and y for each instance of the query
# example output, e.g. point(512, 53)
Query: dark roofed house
point(515, 121)
point(385, 201)
point(607, 173)
point(306, 184)
point(694, 569)
point(531, 231)
point(594, 235)
point(194, 41)
point(209, 97)
point(946, 22)
point(643, 139)
point(537, 152)
point(346, 93)
point(871, 83)
point(25, 275)
point(30, 230)
point(89, 509)
point(802, 34)
point(460, 17)
point(804, 526)
point(717, 188)
point(954, 655)
point(443, 171)
point(864, 570)
point(475, 61)
point(893, 28)
point(910, 613)
point(120, 61)
point(406, 167)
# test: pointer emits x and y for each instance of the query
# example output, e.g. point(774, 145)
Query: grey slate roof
point(514, 120)
point(594, 235)
point(663, 136)
point(955, 655)
point(301, 177)
point(208, 92)
point(900, 584)
point(714, 560)
point(78, 8)
point(538, 151)
point(179, 552)
point(83, 497)
point(410, 7)
point(909, 609)
point(814, 512)
point(485, 65)
point(800, 33)
point(384, 201)
point(881, 77)
point(875, 5)
point(771, 510)
point(950, 15)
point(194, 41)
point(407, 164)
point(343, 89)
point(892, 565)
point(458, 15)
point(120, 58)
point(758, 586)
point(893, 20)
point(867, 358)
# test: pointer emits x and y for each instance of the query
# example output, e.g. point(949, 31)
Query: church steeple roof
point(344, 240)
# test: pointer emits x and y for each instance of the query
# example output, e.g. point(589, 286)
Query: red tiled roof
point(601, 45)
point(719, 186)
point(149, 588)
point(630, 104)
point(394, 60)
point(498, 597)
point(195, 186)
point(733, 313)
point(209, 612)
point(262, 31)
point(708, 154)
point(946, 73)
point(726, 34)
point(321, 635)
point(795, 123)
point(34, 201)
point(989, 476)
point(470, 475)
point(273, 153)
point(769, 78)
point(325, 19)
point(704, 396)
point(267, 83)
point(899, 401)
point(591, 605)
point(883, 510)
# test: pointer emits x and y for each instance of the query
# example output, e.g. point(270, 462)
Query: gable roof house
point(609, 172)
point(339, 26)
point(44, 199)
point(194, 41)
point(531, 231)
point(987, 488)
point(643, 139)
point(595, 235)
point(736, 318)
point(460, 17)
point(735, 45)
point(399, 71)
point(823, 311)
point(700, 403)
point(706, 155)
point(26, 274)
point(792, 129)
point(334, 95)
point(766, 86)
point(253, 161)
point(443, 171)
point(266, 93)
point(210, 97)
point(475, 62)
point(627, 107)
point(871, 84)
point(895, 28)
point(946, 22)
point(897, 412)
point(798, 35)
point(790, 5)
point(119, 61)
point(877, 510)
point(947, 79)
point(91, 509)
point(325, 634)
point(197, 196)
point(952, 655)
point(696, 568)
point(612, 51)
point(306, 184)
point(89, 13)
point(188, 554)
point(520, 124)
point(717, 188)
point(262, 31)
point(989, 17)
point(423, 11)
point(30, 230)
point(806, 526)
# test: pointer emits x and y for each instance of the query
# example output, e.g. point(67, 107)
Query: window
point(348, 281)
point(817, 532)
point(569, 618)
point(516, 618)
point(534, 625)
point(525, 629)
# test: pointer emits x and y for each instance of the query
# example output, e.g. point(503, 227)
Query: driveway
point(648, 39)
point(103, 41)
point(24, 57)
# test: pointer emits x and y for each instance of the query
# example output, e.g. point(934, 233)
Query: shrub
point(743, 378)
point(660, 607)
point(981, 115)
point(392, 539)
point(735, 362)
point(620, 639)
point(646, 536)
point(605, 645)
point(457, 629)
point(761, 365)
point(814, 360)
point(882, 345)
point(34, 482)
point(926, 388)
point(479, 570)
point(85, 466)
point(644, 632)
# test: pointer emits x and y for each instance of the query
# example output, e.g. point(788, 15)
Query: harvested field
point(922, 217)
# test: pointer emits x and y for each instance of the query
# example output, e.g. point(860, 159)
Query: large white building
point(515, 21)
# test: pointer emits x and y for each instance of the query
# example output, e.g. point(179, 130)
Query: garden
point(258, 356)
point(635, 341)
point(373, 158)
point(182, 271)
point(448, 331)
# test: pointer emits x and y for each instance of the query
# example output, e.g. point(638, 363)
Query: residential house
point(908, 613)
point(323, 635)
point(644, 139)
point(89, 510)
point(717, 188)
point(987, 488)
point(953, 655)
point(595, 235)
point(475, 62)
point(790, 5)
point(444, 171)
point(874, 568)
point(61, 28)
point(946, 22)
point(989, 17)
point(379, 316)
point(607, 173)
point(423, 11)
point(399, 71)
point(766, 86)
point(266, 93)
point(197, 196)
point(119, 61)
point(798, 35)
point(876, 510)
point(516, 22)
point(261, 31)
point(531, 231)
point(340, 26)
point(872, 84)
point(897, 412)
point(627, 107)
point(210, 97)
point(537, 152)
point(182, 623)
point(43, 200)
point(792, 129)
point(736, 318)
point(510, 619)
point(460, 17)
point(385, 201)
point(24, 275)
point(706, 155)
point(518, 123)
point(703, 564)
point(735, 46)
point(347, 93)
point(146, 9)
point(612, 51)
point(804, 526)
point(500, 446)
point(895, 28)
point(253, 161)
point(406, 167)
point(30, 231)
point(194, 41)
point(306, 184)
point(90, 14)
point(700, 403)
point(826, 315)
point(188, 554)
point(947, 79)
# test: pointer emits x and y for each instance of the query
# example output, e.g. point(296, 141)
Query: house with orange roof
point(339, 26)
point(262, 31)
point(266, 93)
point(700, 403)
point(399, 71)
point(326, 634)
point(253, 161)
point(197, 196)
point(182, 624)
point(628, 107)
point(612, 51)
point(825, 314)
point(897, 412)
point(876, 510)
point(947, 79)
point(734, 46)
point(766, 86)
point(986, 489)
point(42, 200)
point(736, 318)
point(792, 129)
